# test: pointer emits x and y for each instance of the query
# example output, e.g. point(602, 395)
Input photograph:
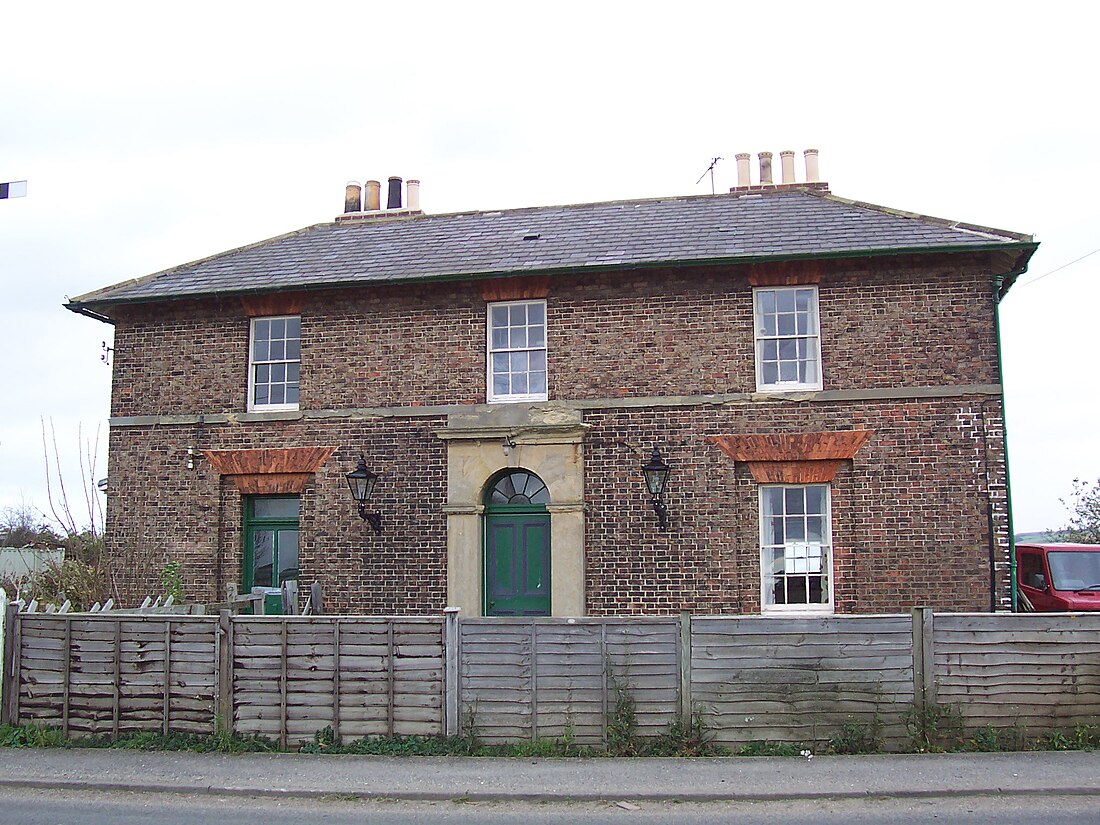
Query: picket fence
point(792, 680)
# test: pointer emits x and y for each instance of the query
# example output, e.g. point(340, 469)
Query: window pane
point(788, 372)
point(278, 328)
point(278, 350)
point(292, 394)
point(501, 384)
point(769, 350)
point(536, 336)
point(500, 363)
point(796, 529)
point(262, 394)
point(263, 555)
point(814, 526)
point(500, 337)
point(278, 394)
point(294, 327)
point(518, 362)
point(802, 299)
point(517, 315)
point(519, 383)
point(773, 501)
point(815, 500)
point(278, 373)
point(537, 382)
point(288, 555)
point(784, 300)
point(517, 337)
point(786, 324)
point(260, 351)
point(270, 507)
point(777, 535)
point(766, 301)
point(292, 372)
point(788, 349)
point(794, 498)
point(261, 331)
point(769, 374)
point(293, 350)
point(499, 316)
point(537, 360)
point(536, 314)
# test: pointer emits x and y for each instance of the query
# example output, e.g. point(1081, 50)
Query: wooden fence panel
point(1040, 672)
point(800, 679)
point(111, 674)
point(530, 678)
point(361, 676)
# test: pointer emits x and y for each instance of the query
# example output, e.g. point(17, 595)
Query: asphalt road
point(51, 807)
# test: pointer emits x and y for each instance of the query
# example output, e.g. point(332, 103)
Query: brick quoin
point(914, 513)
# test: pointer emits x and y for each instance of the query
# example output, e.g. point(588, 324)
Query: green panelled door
point(517, 564)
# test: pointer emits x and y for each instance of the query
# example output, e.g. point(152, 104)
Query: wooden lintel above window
point(273, 303)
point(793, 458)
point(269, 471)
point(515, 289)
point(785, 273)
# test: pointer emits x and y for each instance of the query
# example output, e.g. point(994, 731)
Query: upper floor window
point(517, 351)
point(795, 548)
point(274, 358)
point(788, 349)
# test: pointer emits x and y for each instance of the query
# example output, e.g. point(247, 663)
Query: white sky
point(155, 134)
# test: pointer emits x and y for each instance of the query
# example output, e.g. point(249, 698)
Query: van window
point(1031, 570)
point(1074, 570)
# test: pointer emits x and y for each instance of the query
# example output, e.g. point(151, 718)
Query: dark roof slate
point(700, 229)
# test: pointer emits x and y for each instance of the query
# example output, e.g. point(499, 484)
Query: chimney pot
point(765, 168)
point(813, 175)
point(743, 169)
point(786, 159)
point(372, 197)
point(394, 200)
point(412, 194)
point(352, 194)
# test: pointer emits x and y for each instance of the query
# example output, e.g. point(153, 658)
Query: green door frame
point(253, 524)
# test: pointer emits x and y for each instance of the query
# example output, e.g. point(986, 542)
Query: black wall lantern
point(656, 476)
point(362, 481)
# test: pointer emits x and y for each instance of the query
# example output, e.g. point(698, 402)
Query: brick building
point(821, 376)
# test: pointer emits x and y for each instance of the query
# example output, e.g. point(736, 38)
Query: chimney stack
point(813, 175)
point(372, 200)
point(394, 199)
point(765, 168)
point(786, 159)
point(412, 195)
point(743, 169)
point(352, 193)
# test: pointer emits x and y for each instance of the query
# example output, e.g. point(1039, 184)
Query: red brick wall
point(911, 520)
point(641, 333)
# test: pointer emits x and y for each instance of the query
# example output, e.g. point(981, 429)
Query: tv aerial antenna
point(710, 171)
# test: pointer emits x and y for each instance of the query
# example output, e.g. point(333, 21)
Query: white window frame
point(797, 551)
point(812, 336)
point(253, 363)
point(494, 397)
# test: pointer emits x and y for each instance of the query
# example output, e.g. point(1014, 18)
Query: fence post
point(685, 667)
point(452, 702)
point(224, 677)
point(924, 662)
point(7, 624)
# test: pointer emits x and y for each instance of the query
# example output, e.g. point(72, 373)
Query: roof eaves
point(1023, 248)
point(971, 228)
point(92, 297)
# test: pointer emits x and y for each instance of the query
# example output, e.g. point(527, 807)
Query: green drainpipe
point(998, 280)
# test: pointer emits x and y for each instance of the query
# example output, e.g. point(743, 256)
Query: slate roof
point(727, 228)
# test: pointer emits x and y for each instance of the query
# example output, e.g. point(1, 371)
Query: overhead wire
point(1058, 269)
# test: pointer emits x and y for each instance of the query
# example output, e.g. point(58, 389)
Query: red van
point(1058, 577)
